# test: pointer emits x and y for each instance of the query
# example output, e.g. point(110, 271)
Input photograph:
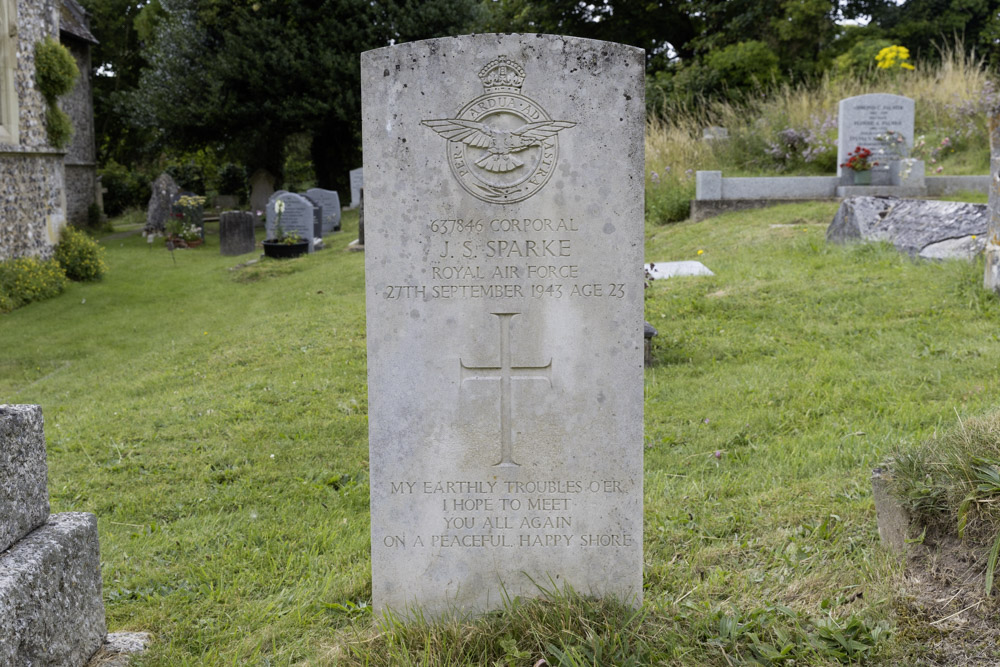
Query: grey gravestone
point(914, 226)
point(864, 117)
point(51, 611)
point(236, 235)
point(330, 201)
point(317, 215)
point(261, 189)
point(24, 496)
point(269, 213)
point(713, 132)
point(505, 318)
point(991, 277)
point(357, 182)
point(164, 193)
point(299, 218)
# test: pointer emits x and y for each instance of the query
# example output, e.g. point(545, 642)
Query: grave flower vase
point(863, 177)
point(282, 250)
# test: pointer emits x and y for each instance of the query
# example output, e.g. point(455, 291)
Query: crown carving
point(502, 75)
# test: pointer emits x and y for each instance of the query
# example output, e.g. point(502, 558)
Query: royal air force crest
point(502, 146)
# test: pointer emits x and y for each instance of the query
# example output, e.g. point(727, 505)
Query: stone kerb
point(330, 201)
point(503, 230)
point(991, 277)
point(24, 497)
point(299, 217)
point(864, 117)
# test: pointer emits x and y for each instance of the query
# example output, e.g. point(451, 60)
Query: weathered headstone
point(51, 611)
point(270, 215)
point(164, 192)
point(298, 218)
point(261, 189)
point(991, 277)
point(864, 117)
point(357, 182)
point(236, 235)
point(317, 215)
point(330, 201)
point(929, 229)
point(504, 236)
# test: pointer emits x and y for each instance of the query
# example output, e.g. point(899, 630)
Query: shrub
point(189, 176)
point(55, 69)
point(125, 188)
point(29, 279)
point(55, 74)
point(80, 256)
point(232, 180)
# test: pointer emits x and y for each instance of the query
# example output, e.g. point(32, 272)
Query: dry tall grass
point(675, 139)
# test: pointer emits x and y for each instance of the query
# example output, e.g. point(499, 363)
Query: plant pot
point(195, 243)
point(863, 177)
point(282, 250)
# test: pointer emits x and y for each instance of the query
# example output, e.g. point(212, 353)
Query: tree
point(248, 74)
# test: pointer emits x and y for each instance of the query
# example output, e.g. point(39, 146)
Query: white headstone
point(330, 201)
point(504, 239)
point(298, 218)
point(357, 182)
point(864, 117)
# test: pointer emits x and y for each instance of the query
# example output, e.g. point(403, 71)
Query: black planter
point(282, 250)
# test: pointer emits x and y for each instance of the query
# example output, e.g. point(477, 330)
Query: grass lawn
point(215, 420)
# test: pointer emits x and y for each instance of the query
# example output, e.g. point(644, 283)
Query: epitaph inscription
point(863, 118)
point(504, 313)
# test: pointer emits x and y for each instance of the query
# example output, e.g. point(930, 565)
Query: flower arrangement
point(279, 232)
point(183, 226)
point(858, 160)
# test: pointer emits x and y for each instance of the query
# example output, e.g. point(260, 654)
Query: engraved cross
point(506, 372)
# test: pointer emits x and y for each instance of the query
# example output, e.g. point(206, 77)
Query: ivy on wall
point(55, 74)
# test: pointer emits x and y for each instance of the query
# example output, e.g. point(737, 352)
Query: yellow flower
point(701, 252)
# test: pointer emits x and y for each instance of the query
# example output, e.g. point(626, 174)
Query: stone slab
point(891, 517)
point(899, 191)
point(51, 612)
point(863, 117)
point(119, 648)
point(330, 201)
point(24, 496)
point(660, 270)
point(357, 177)
point(779, 187)
point(299, 217)
point(505, 318)
point(236, 235)
point(909, 224)
point(708, 185)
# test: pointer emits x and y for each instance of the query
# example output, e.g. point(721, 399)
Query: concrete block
point(24, 498)
point(780, 187)
point(708, 185)
point(943, 185)
point(51, 612)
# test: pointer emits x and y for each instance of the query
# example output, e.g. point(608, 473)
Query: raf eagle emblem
point(502, 146)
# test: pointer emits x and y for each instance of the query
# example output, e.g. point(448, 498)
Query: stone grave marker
point(51, 611)
point(317, 215)
point(164, 192)
point(991, 276)
point(298, 218)
point(357, 182)
point(236, 235)
point(261, 189)
point(504, 240)
point(864, 117)
point(330, 201)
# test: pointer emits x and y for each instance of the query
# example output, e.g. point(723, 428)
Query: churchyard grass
point(215, 420)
